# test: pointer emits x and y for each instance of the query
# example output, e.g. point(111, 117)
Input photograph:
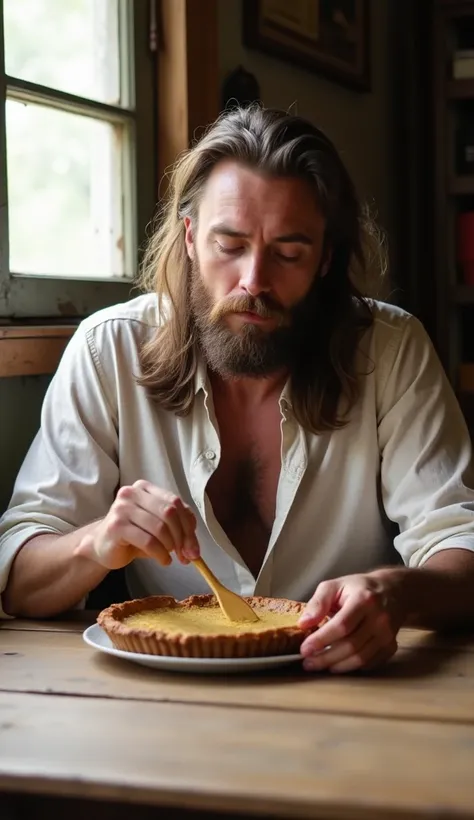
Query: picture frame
point(327, 37)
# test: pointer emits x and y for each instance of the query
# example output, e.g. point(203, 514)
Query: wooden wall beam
point(188, 75)
point(32, 351)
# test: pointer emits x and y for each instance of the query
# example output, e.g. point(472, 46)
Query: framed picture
point(329, 37)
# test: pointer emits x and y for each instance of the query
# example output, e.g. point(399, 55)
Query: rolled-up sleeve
point(426, 468)
point(70, 473)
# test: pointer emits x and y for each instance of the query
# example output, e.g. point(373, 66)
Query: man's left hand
point(365, 615)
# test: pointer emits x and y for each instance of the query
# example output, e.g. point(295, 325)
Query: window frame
point(50, 297)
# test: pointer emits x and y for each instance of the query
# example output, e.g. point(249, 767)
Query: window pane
point(70, 45)
point(65, 192)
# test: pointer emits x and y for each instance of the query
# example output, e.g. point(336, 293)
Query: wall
point(20, 408)
point(358, 123)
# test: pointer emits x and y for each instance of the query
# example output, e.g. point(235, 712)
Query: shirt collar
point(201, 382)
point(285, 396)
point(200, 378)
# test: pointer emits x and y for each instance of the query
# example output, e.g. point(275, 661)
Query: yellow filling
point(207, 620)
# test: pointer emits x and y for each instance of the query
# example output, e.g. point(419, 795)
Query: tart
point(197, 628)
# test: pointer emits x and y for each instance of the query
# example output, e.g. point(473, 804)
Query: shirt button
point(210, 455)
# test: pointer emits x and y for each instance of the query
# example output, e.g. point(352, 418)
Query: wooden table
point(78, 726)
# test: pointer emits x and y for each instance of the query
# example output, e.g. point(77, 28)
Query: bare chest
point(243, 488)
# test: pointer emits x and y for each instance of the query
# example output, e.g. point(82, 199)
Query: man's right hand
point(143, 522)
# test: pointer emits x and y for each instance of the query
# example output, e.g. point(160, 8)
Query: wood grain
point(35, 331)
point(78, 620)
point(421, 682)
point(32, 351)
point(75, 621)
point(187, 77)
point(39, 807)
point(285, 764)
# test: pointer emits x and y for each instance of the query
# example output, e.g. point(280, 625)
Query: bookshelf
point(453, 175)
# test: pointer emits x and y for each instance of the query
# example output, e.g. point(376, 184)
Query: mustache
point(245, 303)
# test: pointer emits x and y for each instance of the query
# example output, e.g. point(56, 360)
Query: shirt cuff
point(463, 541)
point(12, 544)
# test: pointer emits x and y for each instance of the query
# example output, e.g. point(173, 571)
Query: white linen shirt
point(393, 484)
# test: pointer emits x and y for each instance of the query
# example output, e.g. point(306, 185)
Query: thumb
point(320, 605)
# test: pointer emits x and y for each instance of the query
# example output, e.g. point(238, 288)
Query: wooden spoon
point(232, 605)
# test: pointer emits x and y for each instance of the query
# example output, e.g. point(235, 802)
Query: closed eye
point(228, 251)
point(287, 258)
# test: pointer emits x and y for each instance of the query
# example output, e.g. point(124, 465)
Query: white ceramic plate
point(94, 636)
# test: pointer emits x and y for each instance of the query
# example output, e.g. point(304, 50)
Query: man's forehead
point(232, 190)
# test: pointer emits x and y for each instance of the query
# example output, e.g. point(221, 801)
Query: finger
point(320, 605)
point(168, 507)
point(135, 553)
point(191, 545)
point(156, 552)
point(120, 544)
point(182, 558)
point(340, 626)
point(139, 538)
point(171, 515)
point(182, 523)
point(370, 656)
point(165, 507)
point(157, 528)
point(383, 655)
point(340, 651)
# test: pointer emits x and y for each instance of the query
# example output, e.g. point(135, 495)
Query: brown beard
point(252, 351)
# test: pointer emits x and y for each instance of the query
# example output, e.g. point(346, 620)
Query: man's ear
point(189, 237)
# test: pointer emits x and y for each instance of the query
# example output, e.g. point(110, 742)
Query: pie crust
point(244, 642)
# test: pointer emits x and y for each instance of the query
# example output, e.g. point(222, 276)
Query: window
point(78, 177)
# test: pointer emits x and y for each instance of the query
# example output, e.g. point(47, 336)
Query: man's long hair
point(277, 144)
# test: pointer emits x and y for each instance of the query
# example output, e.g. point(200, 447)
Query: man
point(255, 407)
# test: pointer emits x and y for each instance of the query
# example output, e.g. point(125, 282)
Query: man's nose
point(255, 276)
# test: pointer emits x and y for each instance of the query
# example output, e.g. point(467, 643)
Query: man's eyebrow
point(225, 230)
point(302, 238)
point(293, 238)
